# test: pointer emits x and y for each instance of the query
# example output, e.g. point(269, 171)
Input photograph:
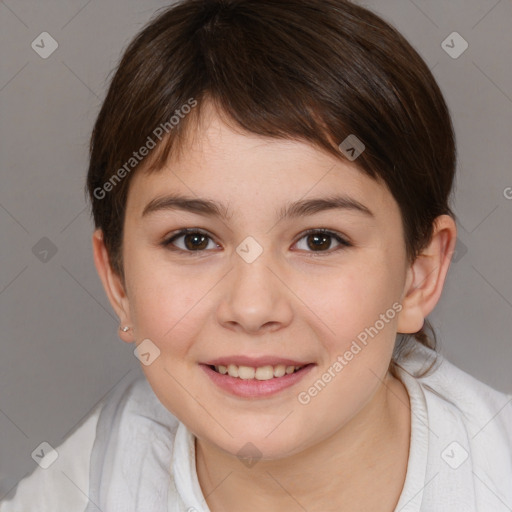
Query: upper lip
point(254, 362)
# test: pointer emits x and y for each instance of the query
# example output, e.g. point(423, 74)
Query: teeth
point(279, 370)
point(232, 370)
point(246, 372)
point(261, 373)
point(264, 373)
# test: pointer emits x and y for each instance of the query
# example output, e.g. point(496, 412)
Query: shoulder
point(130, 415)
point(485, 411)
point(61, 485)
point(469, 432)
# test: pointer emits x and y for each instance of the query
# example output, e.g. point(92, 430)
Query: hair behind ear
point(405, 344)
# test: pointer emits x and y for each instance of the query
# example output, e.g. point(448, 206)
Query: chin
point(257, 445)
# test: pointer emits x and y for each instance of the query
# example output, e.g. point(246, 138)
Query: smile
point(255, 382)
point(261, 373)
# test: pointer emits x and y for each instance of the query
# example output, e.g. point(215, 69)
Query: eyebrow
point(296, 209)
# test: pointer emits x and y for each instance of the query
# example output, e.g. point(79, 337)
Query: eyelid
point(168, 241)
point(339, 237)
point(344, 242)
point(327, 231)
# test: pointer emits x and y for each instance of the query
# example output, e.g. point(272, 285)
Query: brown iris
point(194, 238)
point(325, 244)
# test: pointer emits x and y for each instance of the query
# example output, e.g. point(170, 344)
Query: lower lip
point(253, 388)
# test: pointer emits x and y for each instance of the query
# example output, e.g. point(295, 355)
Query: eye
point(195, 240)
point(319, 240)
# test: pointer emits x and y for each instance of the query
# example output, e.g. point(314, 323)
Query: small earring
point(126, 328)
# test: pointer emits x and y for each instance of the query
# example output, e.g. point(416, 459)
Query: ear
point(426, 276)
point(112, 284)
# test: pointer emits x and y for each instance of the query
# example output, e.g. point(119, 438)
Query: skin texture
point(293, 301)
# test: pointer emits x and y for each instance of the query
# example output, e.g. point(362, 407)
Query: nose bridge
point(251, 273)
point(255, 296)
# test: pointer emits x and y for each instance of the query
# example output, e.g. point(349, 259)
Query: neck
point(362, 466)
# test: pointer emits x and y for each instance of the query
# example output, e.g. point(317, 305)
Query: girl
point(270, 185)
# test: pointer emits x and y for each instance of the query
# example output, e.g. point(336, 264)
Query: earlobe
point(112, 284)
point(426, 276)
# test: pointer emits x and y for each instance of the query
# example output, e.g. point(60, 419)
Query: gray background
point(60, 353)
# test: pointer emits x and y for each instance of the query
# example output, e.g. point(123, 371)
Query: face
point(253, 287)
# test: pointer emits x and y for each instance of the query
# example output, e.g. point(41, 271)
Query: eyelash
point(187, 231)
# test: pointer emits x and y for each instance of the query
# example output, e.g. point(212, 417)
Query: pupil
point(317, 238)
point(195, 236)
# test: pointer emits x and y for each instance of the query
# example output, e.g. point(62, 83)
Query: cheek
point(168, 310)
point(351, 301)
point(165, 305)
point(360, 308)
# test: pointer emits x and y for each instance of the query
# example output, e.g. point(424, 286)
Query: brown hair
point(310, 70)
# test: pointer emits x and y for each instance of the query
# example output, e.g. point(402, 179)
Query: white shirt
point(460, 457)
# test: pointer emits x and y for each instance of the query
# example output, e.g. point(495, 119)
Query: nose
point(255, 297)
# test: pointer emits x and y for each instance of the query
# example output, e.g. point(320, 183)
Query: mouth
point(255, 381)
point(266, 372)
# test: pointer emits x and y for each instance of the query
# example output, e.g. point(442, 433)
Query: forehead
point(222, 162)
